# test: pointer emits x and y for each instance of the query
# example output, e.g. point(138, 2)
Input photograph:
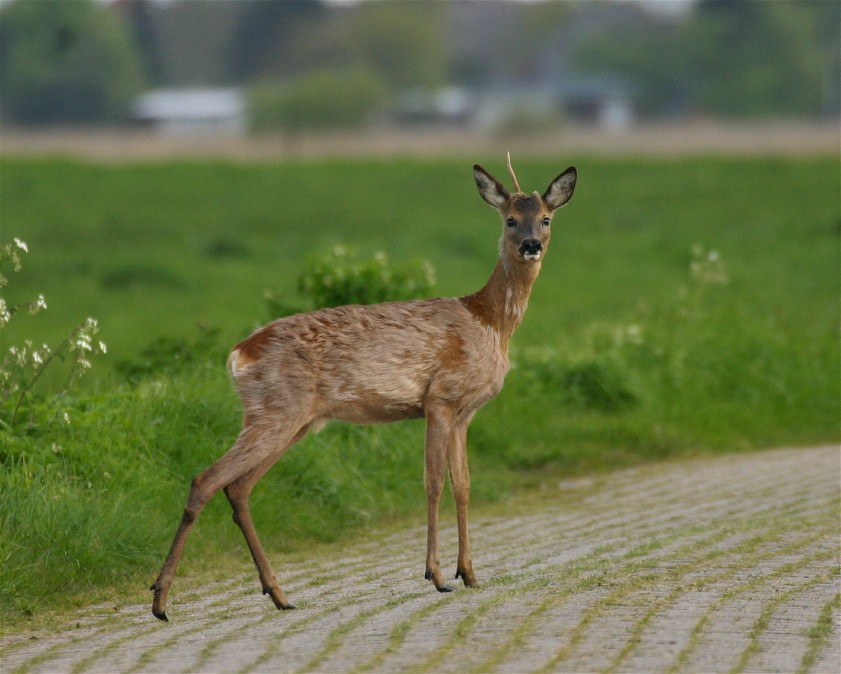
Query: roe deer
point(440, 359)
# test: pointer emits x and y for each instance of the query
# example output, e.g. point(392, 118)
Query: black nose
point(531, 247)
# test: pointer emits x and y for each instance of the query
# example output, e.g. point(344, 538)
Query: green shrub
point(585, 375)
point(320, 100)
point(339, 278)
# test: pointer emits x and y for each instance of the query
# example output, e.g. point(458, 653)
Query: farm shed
point(181, 112)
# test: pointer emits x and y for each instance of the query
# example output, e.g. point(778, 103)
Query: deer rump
point(369, 364)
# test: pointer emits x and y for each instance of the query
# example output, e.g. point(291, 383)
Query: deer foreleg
point(438, 436)
point(460, 480)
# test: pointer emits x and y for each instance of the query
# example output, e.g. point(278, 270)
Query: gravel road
point(727, 564)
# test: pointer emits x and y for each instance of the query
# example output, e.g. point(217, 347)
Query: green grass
point(624, 356)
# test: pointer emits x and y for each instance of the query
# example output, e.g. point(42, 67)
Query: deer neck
point(501, 303)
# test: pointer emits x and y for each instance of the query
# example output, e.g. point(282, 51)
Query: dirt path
point(728, 564)
point(787, 139)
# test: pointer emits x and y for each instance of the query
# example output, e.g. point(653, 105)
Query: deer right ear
point(490, 188)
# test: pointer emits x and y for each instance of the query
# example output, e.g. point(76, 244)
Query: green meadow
point(685, 306)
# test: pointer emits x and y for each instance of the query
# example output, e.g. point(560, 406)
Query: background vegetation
point(721, 58)
point(66, 63)
point(686, 306)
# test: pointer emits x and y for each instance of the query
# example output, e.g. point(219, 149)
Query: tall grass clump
point(91, 486)
point(669, 379)
point(86, 492)
point(43, 481)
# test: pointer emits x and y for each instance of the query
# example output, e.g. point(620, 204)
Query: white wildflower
point(37, 305)
point(634, 334)
point(22, 245)
point(707, 266)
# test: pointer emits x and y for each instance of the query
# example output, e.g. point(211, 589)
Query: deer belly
point(370, 407)
point(374, 396)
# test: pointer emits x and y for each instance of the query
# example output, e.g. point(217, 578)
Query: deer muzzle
point(531, 249)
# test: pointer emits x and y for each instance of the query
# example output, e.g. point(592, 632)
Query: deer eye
point(511, 222)
point(546, 222)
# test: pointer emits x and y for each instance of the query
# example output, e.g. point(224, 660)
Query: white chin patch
point(531, 256)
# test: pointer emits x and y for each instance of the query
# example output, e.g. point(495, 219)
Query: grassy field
point(686, 306)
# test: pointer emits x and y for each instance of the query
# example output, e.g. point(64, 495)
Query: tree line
point(83, 62)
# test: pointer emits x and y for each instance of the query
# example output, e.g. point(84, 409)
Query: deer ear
point(561, 188)
point(490, 188)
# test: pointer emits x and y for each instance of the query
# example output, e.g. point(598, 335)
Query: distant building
point(181, 112)
point(604, 102)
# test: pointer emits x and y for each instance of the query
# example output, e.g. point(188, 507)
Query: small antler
point(513, 177)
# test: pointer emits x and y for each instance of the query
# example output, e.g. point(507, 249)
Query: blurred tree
point(486, 40)
point(755, 58)
point(401, 41)
point(649, 50)
point(321, 99)
point(194, 36)
point(727, 58)
point(827, 19)
point(141, 19)
point(263, 41)
point(65, 63)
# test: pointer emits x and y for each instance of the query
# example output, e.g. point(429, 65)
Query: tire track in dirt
point(723, 564)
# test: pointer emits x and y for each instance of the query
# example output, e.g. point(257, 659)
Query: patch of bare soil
point(723, 564)
point(666, 140)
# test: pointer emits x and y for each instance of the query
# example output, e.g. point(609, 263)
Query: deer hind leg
point(238, 493)
point(250, 450)
point(460, 480)
point(438, 437)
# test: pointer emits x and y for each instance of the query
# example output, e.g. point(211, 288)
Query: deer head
point(527, 217)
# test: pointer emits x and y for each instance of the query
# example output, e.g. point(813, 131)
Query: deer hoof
point(437, 580)
point(278, 598)
point(468, 578)
point(157, 611)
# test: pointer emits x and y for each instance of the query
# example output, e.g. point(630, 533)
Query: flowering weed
point(23, 366)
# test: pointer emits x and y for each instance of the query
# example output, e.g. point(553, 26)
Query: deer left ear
point(561, 188)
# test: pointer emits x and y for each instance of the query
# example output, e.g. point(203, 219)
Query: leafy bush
point(320, 100)
point(339, 277)
point(588, 382)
